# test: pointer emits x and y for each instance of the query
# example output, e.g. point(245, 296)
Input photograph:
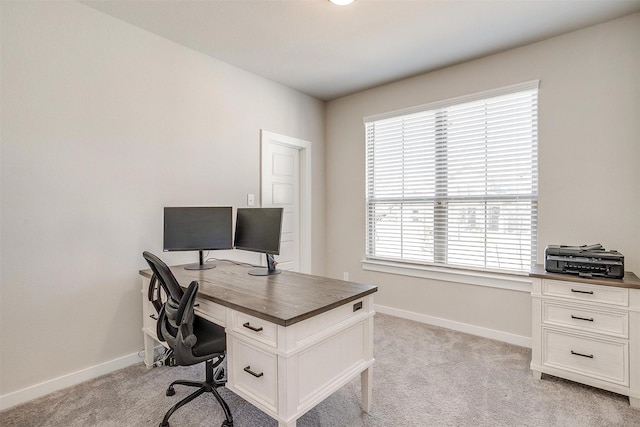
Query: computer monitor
point(258, 230)
point(198, 229)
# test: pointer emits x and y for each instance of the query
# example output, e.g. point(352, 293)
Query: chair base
point(214, 379)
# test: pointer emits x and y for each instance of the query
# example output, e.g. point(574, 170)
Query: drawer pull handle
point(253, 328)
point(154, 317)
point(582, 318)
point(590, 356)
point(248, 370)
point(578, 291)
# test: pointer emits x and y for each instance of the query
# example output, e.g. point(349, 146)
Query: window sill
point(513, 282)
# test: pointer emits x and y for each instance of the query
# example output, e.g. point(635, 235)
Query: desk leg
point(149, 347)
point(366, 386)
point(289, 424)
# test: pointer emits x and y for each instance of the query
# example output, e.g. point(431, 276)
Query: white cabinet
point(587, 330)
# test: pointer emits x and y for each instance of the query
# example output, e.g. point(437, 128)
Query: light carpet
point(423, 376)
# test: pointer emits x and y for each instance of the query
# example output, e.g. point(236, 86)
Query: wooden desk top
point(283, 299)
point(629, 280)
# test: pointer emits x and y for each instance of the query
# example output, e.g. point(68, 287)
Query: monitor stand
point(200, 266)
point(268, 270)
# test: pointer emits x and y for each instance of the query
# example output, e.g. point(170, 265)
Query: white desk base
point(286, 371)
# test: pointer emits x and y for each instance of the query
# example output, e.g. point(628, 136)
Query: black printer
point(585, 261)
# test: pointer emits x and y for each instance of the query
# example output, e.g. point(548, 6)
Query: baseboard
point(519, 340)
point(55, 384)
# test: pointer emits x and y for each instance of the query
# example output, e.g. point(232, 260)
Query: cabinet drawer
point(255, 373)
point(602, 359)
point(586, 318)
point(255, 328)
point(586, 292)
point(210, 311)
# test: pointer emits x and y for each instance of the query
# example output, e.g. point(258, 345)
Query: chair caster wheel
point(164, 424)
point(170, 392)
point(227, 424)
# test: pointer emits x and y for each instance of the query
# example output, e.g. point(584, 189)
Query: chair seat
point(211, 337)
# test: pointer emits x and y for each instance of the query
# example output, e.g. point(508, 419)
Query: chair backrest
point(164, 275)
point(166, 327)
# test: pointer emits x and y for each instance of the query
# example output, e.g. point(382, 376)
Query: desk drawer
point(309, 328)
point(255, 373)
point(149, 316)
point(602, 359)
point(586, 292)
point(255, 328)
point(586, 318)
point(211, 311)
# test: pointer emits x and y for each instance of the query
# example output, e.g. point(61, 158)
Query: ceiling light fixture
point(342, 2)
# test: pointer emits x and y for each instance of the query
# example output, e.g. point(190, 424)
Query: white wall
point(589, 164)
point(103, 124)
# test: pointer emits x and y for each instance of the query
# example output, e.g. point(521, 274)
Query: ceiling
point(329, 51)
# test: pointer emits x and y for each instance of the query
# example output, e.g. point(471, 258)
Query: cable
point(234, 262)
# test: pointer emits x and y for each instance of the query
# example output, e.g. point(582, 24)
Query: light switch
point(251, 201)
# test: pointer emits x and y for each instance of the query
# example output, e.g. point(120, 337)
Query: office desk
point(292, 339)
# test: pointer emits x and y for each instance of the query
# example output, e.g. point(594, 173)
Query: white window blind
point(455, 183)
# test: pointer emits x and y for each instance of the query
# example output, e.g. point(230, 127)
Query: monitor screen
point(258, 230)
point(197, 228)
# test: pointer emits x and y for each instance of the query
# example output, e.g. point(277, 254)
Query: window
point(455, 183)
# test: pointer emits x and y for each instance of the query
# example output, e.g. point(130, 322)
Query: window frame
point(437, 267)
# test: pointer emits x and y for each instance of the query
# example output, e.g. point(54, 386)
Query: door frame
point(304, 153)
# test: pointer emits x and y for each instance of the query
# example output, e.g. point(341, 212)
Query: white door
point(281, 187)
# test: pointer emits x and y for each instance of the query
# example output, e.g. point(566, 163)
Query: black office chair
point(192, 339)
